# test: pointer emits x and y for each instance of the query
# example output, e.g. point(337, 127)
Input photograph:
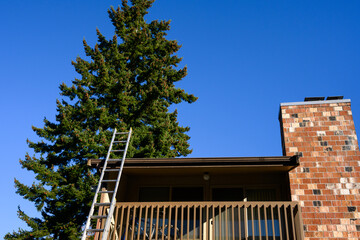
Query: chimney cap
point(334, 97)
point(308, 99)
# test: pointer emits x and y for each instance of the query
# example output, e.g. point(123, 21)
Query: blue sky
point(244, 58)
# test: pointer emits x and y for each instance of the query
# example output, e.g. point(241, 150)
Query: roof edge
point(213, 161)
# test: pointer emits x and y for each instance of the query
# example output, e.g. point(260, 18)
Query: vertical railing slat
point(272, 220)
point(259, 220)
point(169, 222)
point(121, 222)
point(279, 219)
point(145, 221)
point(265, 219)
point(213, 222)
point(246, 222)
point(157, 222)
point(232, 222)
point(220, 208)
point(182, 221)
point(292, 221)
point(239, 220)
point(207, 223)
point(115, 221)
point(258, 208)
point(200, 222)
point(151, 221)
point(252, 221)
point(188, 222)
point(139, 222)
point(226, 223)
point(286, 222)
point(163, 223)
point(133, 222)
point(175, 226)
point(194, 222)
point(127, 222)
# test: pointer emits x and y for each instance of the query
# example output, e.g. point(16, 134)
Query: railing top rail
point(210, 203)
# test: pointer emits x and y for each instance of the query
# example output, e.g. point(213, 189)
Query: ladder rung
point(102, 204)
point(111, 170)
point(122, 141)
point(117, 150)
point(118, 133)
point(98, 217)
point(95, 230)
point(106, 191)
point(106, 180)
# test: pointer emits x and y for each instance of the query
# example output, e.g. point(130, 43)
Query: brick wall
point(327, 182)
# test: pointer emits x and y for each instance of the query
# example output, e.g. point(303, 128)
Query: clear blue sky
point(243, 58)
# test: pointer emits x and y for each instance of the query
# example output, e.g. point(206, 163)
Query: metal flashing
point(315, 102)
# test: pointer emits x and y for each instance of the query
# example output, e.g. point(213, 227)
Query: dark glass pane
point(261, 194)
point(154, 194)
point(187, 194)
point(227, 194)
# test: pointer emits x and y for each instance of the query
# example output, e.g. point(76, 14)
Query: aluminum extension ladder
point(107, 214)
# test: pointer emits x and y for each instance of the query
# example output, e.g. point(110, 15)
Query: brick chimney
point(327, 182)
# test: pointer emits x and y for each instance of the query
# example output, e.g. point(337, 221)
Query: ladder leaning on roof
point(89, 230)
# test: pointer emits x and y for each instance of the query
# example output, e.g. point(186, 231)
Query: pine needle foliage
point(127, 81)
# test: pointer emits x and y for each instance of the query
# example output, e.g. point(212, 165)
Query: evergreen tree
point(129, 82)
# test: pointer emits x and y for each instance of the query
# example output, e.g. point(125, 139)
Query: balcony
point(204, 198)
point(205, 220)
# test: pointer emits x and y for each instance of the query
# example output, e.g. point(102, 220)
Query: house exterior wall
point(327, 182)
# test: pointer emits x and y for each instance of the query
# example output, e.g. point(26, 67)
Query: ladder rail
point(113, 200)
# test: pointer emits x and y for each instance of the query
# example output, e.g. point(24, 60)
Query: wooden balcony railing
point(206, 221)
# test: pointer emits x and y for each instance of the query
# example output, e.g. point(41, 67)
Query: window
point(227, 194)
point(187, 194)
point(154, 194)
point(261, 194)
point(242, 194)
point(176, 194)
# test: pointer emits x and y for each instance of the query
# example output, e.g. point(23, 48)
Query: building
point(312, 192)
